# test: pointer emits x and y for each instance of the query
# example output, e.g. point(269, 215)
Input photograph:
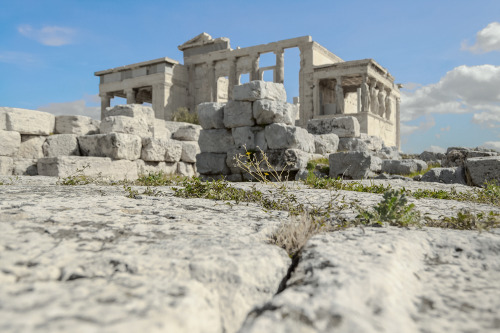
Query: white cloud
point(462, 90)
point(428, 123)
point(487, 40)
point(79, 108)
point(18, 58)
point(48, 35)
point(492, 145)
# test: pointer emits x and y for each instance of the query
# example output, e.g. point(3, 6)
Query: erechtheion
point(328, 86)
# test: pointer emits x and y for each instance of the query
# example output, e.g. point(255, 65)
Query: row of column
point(255, 74)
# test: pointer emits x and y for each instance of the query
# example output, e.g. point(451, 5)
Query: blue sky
point(447, 53)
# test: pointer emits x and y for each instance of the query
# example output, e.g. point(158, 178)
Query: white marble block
point(211, 115)
point(138, 111)
point(326, 143)
point(251, 138)
point(6, 165)
point(216, 141)
point(79, 125)
point(267, 112)
point(189, 132)
point(189, 151)
point(354, 165)
point(29, 122)
point(344, 127)
point(238, 114)
point(281, 136)
point(25, 167)
point(117, 146)
point(31, 146)
point(212, 164)
point(256, 90)
point(145, 168)
point(128, 125)
point(10, 142)
point(61, 145)
point(185, 169)
point(160, 130)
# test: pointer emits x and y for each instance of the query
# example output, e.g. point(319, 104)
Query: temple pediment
point(201, 40)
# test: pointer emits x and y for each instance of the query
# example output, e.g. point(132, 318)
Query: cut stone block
point(145, 168)
point(211, 115)
point(173, 152)
point(137, 111)
point(185, 169)
point(354, 165)
point(432, 157)
point(160, 130)
point(216, 141)
point(212, 163)
point(256, 90)
point(25, 167)
point(388, 153)
point(403, 167)
point(483, 169)
point(61, 145)
point(344, 127)
point(189, 132)
point(6, 165)
point(281, 136)
point(64, 166)
point(373, 143)
point(453, 175)
point(31, 146)
point(79, 125)
point(118, 146)
point(127, 125)
point(173, 126)
point(268, 112)
point(278, 159)
point(238, 114)
point(251, 138)
point(10, 142)
point(29, 122)
point(189, 151)
point(326, 143)
point(352, 144)
point(3, 119)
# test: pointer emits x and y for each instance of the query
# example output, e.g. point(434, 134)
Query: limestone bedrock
point(90, 259)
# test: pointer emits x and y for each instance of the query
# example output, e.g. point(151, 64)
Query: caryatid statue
point(339, 97)
point(381, 101)
point(388, 105)
point(365, 95)
point(373, 96)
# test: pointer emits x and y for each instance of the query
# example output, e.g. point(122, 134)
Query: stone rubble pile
point(127, 143)
point(258, 119)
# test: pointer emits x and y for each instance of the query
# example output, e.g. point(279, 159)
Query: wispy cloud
point(79, 108)
point(492, 145)
point(487, 40)
point(49, 35)
point(18, 58)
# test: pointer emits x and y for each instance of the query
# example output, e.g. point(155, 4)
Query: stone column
point(105, 103)
point(130, 96)
point(365, 95)
point(161, 93)
point(339, 97)
point(212, 82)
point(279, 72)
point(398, 125)
point(233, 77)
point(254, 74)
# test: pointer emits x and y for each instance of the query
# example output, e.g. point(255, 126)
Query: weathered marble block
point(238, 114)
point(354, 165)
point(353, 144)
point(483, 169)
point(79, 125)
point(136, 111)
point(160, 130)
point(189, 151)
point(61, 145)
point(127, 125)
point(216, 141)
point(212, 163)
point(344, 127)
point(251, 138)
point(326, 143)
point(10, 142)
point(186, 169)
point(145, 168)
point(277, 159)
point(403, 167)
point(173, 152)
point(6, 165)
point(281, 136)
point(267, 112)
point(157, 150)
point(119, 146)
point(25, 167)
point(64, 166)
point(29, 122)
point(189, 132)
point(31, 146)
point(211, 115)
point(452, 175)
point(255, 90)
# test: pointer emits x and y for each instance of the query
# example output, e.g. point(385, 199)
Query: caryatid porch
point(362, 89)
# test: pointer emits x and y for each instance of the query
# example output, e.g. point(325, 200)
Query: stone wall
point(127, 143)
